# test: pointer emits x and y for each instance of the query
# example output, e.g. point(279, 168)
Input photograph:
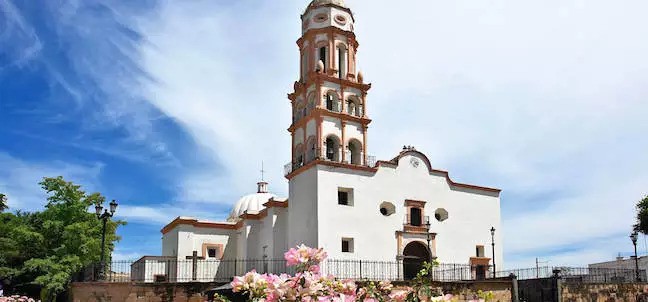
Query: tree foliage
point(47, 248)
point(3, 203)
point(642, 216)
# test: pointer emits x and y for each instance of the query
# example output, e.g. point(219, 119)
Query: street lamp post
point(633, 237)
point(492, 231)
point(104, 217)
point(427, 226)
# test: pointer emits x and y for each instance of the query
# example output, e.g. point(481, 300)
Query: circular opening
point(441, 214)
point(387, 208)
point(340, 19)
point(320, 18)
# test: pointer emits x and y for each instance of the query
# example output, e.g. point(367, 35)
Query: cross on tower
point(262, 171)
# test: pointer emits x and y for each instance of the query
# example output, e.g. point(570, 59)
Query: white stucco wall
point(471, 213)
point(192, 238)
point(331, 125)
point(331, 12)
point(302, 220)
point(280, 233)
point(299, 137)
point(170, 243)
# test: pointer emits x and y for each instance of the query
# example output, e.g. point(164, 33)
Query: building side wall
point(302, 220)
point(471, 213)
point(280, 233)
point(170, 243)
point(192, 238)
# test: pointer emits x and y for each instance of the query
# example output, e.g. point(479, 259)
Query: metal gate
point(538, 290)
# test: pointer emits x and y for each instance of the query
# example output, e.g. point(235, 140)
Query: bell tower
point(329, 101)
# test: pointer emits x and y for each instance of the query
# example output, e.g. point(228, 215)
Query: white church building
point(402, 210)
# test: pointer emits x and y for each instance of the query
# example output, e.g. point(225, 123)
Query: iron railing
point(320, 154)
point(578, 274)
point(418, 221)
point(166, 269)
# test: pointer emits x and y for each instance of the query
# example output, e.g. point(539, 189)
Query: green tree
point(642, 216)
point(46, 248)
point(3, 203)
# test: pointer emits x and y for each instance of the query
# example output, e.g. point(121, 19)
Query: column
point(343, 142)
point(364, 144)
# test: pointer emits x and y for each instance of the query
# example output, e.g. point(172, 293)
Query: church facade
point(340, 198)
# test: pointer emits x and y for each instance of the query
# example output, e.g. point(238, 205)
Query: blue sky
point(169, 107)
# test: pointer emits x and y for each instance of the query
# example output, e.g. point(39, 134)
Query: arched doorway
point(414, 254)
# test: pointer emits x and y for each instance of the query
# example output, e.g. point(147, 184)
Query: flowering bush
point(308, 284)
point(17, 298)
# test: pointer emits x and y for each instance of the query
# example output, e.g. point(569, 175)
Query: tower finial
point(262, 171)
point(262, 186)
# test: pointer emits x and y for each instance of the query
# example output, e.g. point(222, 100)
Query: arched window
point(355, 152)
point(304, 66)
point(354, 106)
point(342, 61)
point(311, 149)
point(332, 101)
point(351, 107)
point(322, 56)
point(332, 148)
point(311, 104)
point(299, 156)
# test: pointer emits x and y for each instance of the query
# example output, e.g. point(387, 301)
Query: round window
point(441, 214)
point(387, 208)
point(320, 18)
point(340, 19)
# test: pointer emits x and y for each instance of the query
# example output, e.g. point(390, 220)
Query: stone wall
point(637, 292)
point(191, 292)
point(467, 290)
point(138, 292)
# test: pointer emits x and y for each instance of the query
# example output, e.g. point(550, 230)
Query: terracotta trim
point(313, 32)
point(276, 204)
point(415, 229)
point(343, 143)
point(399, 243)
point(198, 224)
point(415, 203)
point(331, 37)
point(329, 163)
point(247, 216)
point(320, 112)
point(394, 162)
point(432, 235)
point(205, 246)
point(364, 141)
point(479, 261)
point(314, 77)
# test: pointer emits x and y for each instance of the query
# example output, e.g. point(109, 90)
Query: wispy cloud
point(544, 100)
point(19, 179)
point(527, 97)
point(20, 43)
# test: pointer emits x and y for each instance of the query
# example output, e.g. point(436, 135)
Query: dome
point(251, 203)
point(323, 2)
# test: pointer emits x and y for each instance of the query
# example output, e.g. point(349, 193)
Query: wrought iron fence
point(578, 274)
point(167, 269)
point(319, 154)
